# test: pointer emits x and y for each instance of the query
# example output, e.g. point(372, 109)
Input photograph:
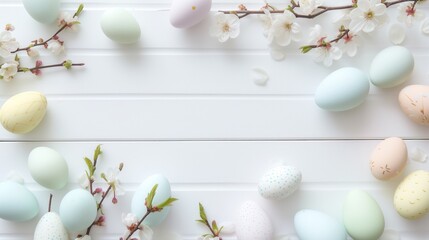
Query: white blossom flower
point(8, 70)
point(67, 18)
point(408, 14)
point(113, 181)
point(131, 222)
point(367, 16)
point(225, 26)
point(32, 53)
point(83, 181)
point(326, 52)
point(308, 6)
point(56, 47)
point(267, 22)
point(146, 233)
point(349, 44)
point(284, 29)
point(86, 237)
point(7, 44)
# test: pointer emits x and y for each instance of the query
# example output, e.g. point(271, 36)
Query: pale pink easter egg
point(414, 101)
point(389, 158)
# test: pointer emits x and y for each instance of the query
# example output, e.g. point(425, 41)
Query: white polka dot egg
point(50, 227)
point(279, 182)
point(253, 223)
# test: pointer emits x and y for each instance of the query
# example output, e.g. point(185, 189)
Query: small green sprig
point(151, 208)
point(215, 231)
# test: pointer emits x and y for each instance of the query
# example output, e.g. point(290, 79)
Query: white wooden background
point(181, 104)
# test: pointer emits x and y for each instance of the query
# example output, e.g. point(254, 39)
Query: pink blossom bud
point(114, 200)
point(39, 63)
point(98, 190)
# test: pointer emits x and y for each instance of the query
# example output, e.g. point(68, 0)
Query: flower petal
point(397, 34)
point(424, 27)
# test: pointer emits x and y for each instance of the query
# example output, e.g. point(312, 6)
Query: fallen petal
point(418, 155)
point(424, 27)
point(397, 34)
point(259, 76)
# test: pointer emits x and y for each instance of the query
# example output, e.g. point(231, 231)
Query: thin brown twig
point(50, 66)
point(149, 211)
point(50, 202)
point(88, 230)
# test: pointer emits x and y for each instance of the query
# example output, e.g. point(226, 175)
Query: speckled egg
point(391, 67)
point(43, 11)
point(362, 216)
point(389, 158)
point(17, 203)
point(342, 90)
point(23, 112)
point(163, 193)
point(315, 225)
point(48, 168)
point(279, 182)
point(187, 13)
point(78, 210)
point(411, 198)
point(253, 223)
point(120, 26)
point(50, 227)
point(414, 102)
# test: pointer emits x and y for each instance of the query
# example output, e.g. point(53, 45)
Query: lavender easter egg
point(187, 13)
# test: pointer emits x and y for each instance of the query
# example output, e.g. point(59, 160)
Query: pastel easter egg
point(414, 102)
point(391, 67)
point(17, 203)
point(362, 216)
point(188, 13)
point(342, 90)
point(389, 158)
point(48, 168)
point(43, 11)
point(78, 210)
point(279, 182)
point(120, 26)
point(163, 193)
point(411, 199)
point(315, 225)
point(50, 227)
point(253, 223)
point(23, 112)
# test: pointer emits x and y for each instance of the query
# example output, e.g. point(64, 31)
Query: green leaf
point(203, 212)
point(150, 197)
point(79, 10)
point(306, 49)
point(214, 226)
point(97, 152)
point(166, 203)
point(90, 166)
point(68, 64)
point(220, 230)
point(201, 221)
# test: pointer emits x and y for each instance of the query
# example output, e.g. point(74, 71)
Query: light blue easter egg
point(342, 90)
point(120, 26)
point(315, 225)
point(391, 67)
point(43, 11)
point(17, 203)
point(362, 216)
point(163, 193)
point(78, 210)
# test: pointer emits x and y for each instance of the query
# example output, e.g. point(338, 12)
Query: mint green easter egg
point(43, 11)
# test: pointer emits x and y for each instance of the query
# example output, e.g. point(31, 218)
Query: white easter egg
point(23, 112)
point(187, 13)
point(48, 168)
point(78, 210)
point(43, 11)
point(17, 203)
point(50, 227)
point(120, 26)
point(253, 223)
point(163, 192)
point(279, 182)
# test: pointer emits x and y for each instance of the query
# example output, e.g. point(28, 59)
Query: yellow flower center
point(369, 15)
point(288, 26)
point(225, 28)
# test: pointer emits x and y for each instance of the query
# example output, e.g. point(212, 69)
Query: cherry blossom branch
point(67, 64)
point(65, 25)
point(243, 12)
point(343, 33)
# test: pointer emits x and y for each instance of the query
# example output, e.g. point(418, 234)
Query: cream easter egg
point(120, 26)
point(389, 158)
point(48, 168)
point(43, 11)
point(411, 199)
point(253, 223)
point(163, 192)
point(78, 210)
point(187, 13)
point(279, 182)
point(17, 203)
point(391, 67)
point(414, 102)
point(23, 112)
point(50, 227)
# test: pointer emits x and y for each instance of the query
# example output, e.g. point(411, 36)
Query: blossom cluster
point(10, 64)
point(281, 26)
